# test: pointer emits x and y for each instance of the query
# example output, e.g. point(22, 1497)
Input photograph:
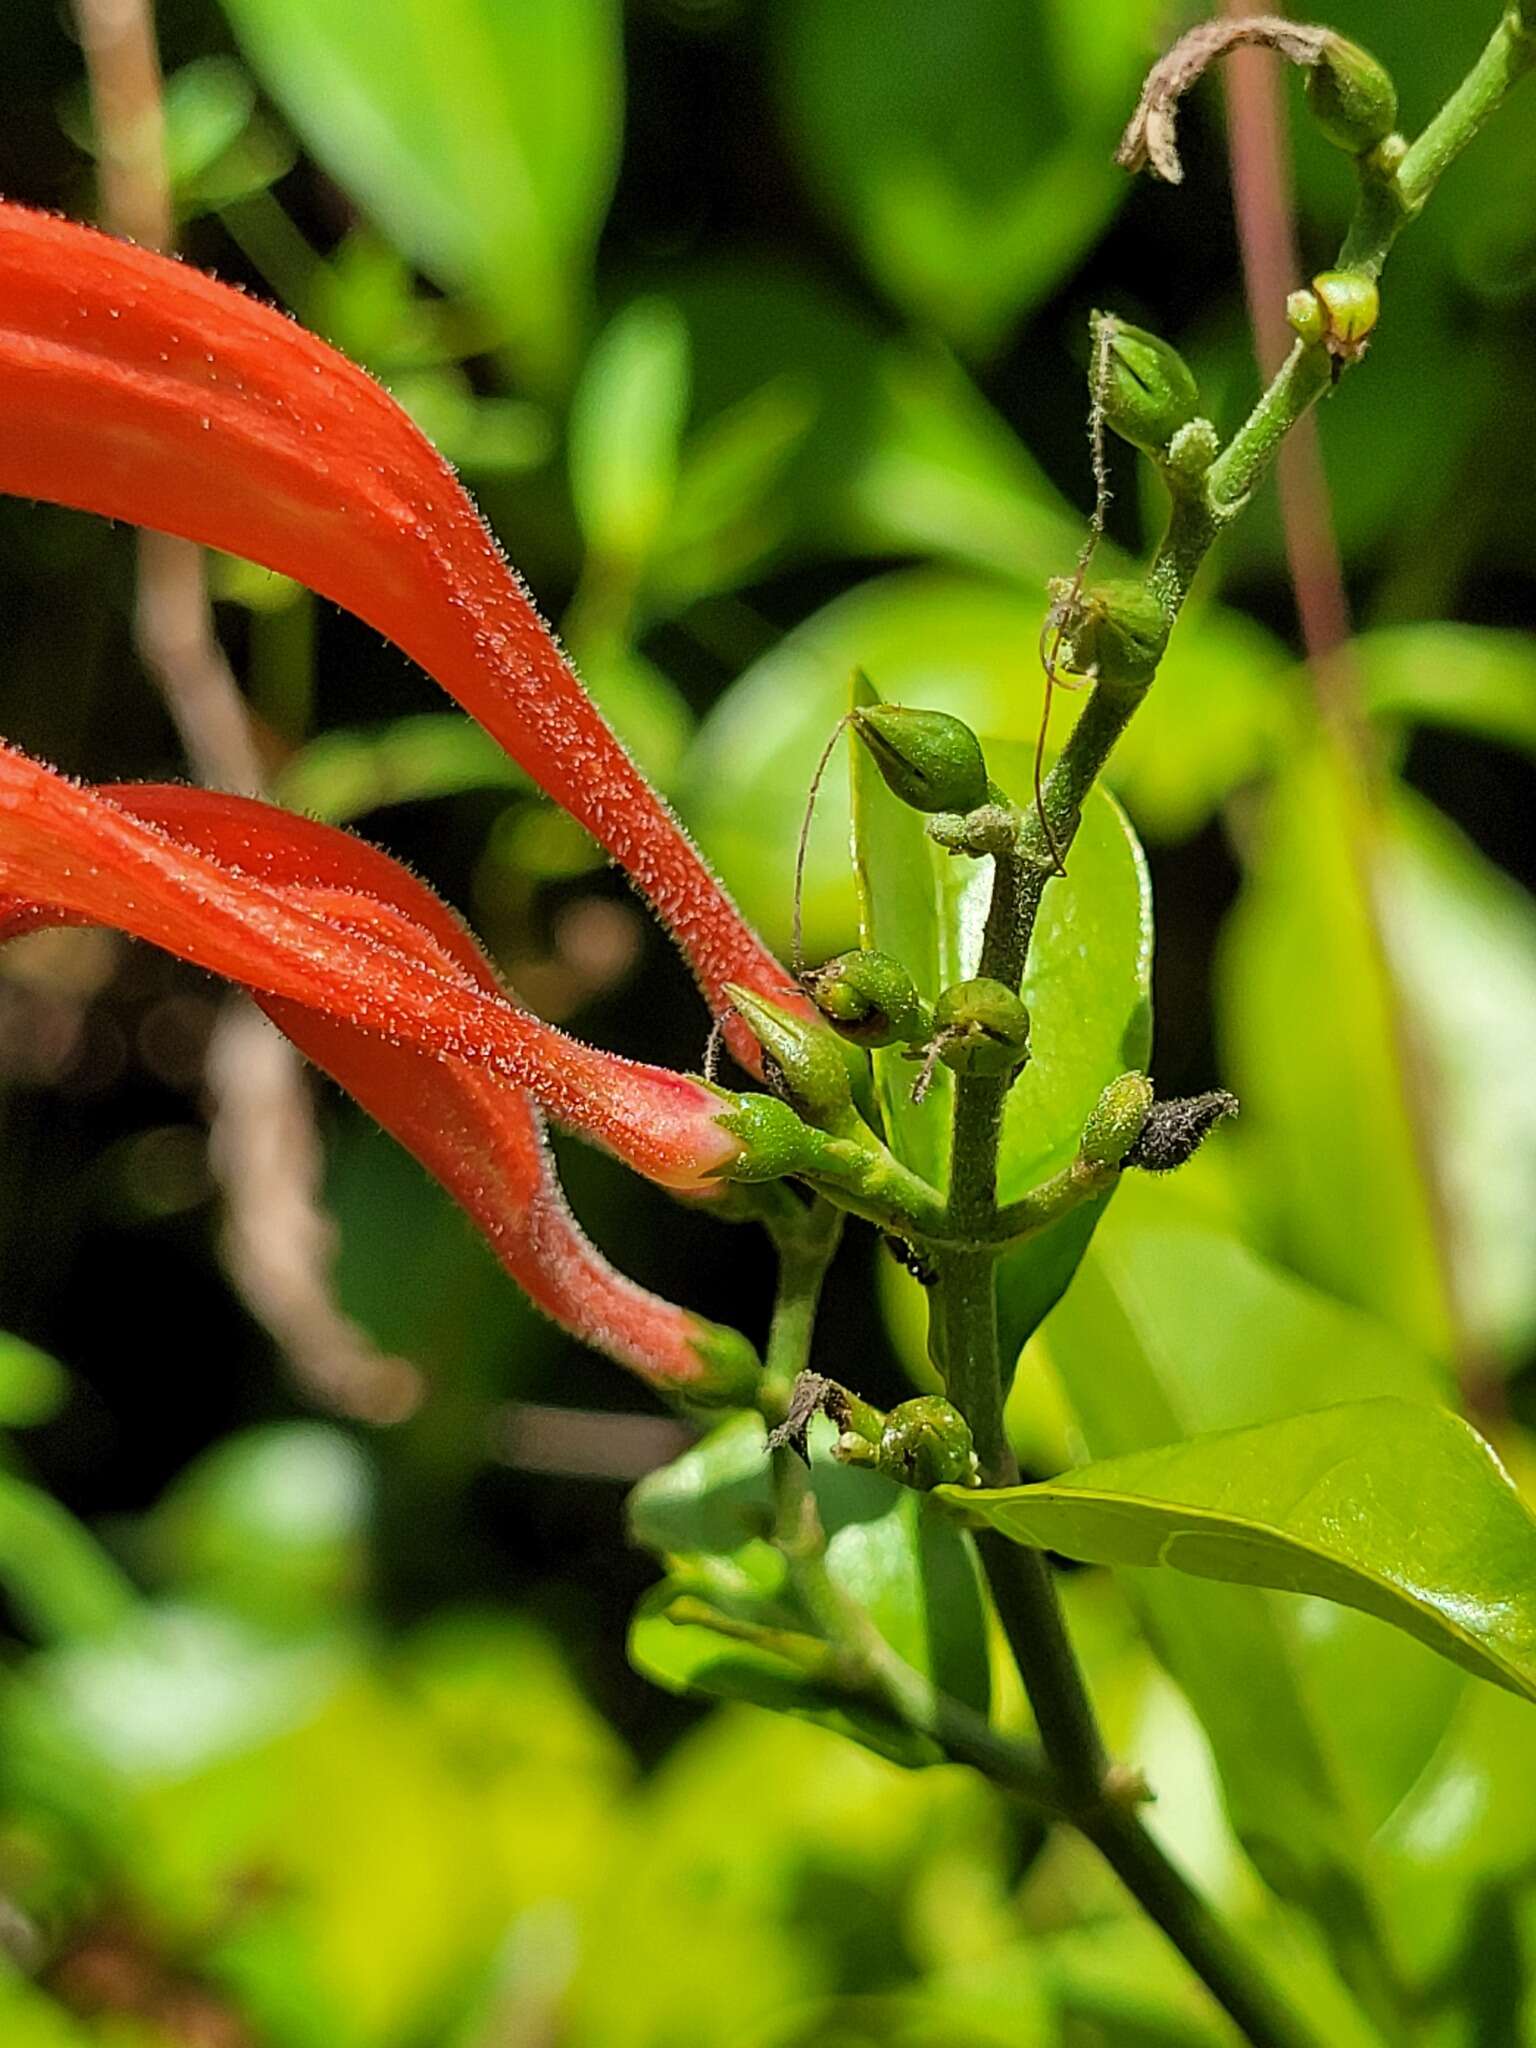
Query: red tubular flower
point(192, 883)
point(135, 387)
point(394, 1000)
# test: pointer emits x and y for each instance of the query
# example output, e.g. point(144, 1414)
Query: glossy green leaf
point(1315, 1050)
point(1174, 1328)
point(968, 152)
point(481, 138)
point(709, 1515)
point(626, 424)
point(1401, 1511)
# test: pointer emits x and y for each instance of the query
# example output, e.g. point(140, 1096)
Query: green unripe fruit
point(981, 1027)
point(1116, 634)
point(927, 1442)
point(1115, 1122)
point(1352, 97)
point(1147, 391)
point(869, 998)
point(928, 759)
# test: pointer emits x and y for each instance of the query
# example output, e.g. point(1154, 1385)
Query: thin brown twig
point(263, 1147)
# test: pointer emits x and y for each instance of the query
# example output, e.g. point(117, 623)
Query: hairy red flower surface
point(378, 983)
point(133, 386)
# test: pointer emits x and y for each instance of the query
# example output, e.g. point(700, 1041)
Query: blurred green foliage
point(760, 330)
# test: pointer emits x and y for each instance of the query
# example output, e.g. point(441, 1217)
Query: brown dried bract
point(1150, 139)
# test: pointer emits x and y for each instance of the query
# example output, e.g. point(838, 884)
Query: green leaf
point(271, 1524)
point(1309, 1017)
point(627, 419)
point(482, 138)
point(352, 770)
point(1172, 1328)
point(968, 152)
point(1088, 990)
point(1462, 941)
point(709, 1516)
point(33, 1386)
point(64, 1587)
point(1473, 679)
point(895, 449)
point(1400, 1511)
point(728, 512)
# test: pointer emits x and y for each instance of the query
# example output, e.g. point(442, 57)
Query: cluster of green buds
point(934, 763)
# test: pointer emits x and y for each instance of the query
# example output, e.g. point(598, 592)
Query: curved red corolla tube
point(479, 1135)
point(135, 387)
point(338, 950)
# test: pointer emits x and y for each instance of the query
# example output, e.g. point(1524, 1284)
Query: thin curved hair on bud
point(802, 845)
point(1063, 608)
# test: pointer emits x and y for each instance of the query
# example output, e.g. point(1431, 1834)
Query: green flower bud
point(1351, 307)
point(1304, 313)
point(981, 1027)
point(869, 998)
point(931, 761)
point(927, 1442)
point(1116, 634)
point(1115, 1122)
point(808, 1054)
point(1352, 97)
point(1148, 392)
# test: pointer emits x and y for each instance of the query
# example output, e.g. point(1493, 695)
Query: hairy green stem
point(1508, 55)
point(806, 1239)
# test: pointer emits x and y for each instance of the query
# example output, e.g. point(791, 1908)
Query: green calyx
point(1116, 1120)
point(869, 998)
point(1352, 97)
point(1116, 633)
point(1145, 387)
point(981, 1027)
point(774, 1141)
point(807, 1053)
point(929, 760)
point(730, 1368)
